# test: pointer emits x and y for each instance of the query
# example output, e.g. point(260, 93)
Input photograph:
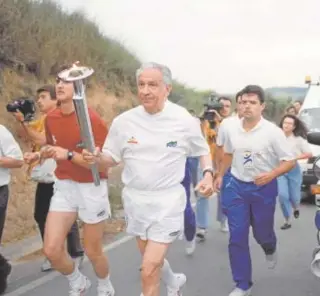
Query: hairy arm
point(104, 161)
point(284, 167)
point(225, 150)
point(205, 161)
point(226, 161)
point(218, 158)
point(10, 163)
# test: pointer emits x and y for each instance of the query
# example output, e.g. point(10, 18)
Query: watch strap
point(70, 155)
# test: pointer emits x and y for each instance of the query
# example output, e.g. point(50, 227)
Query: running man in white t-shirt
point(153, 141)
point(257, 151)
point(227, 123)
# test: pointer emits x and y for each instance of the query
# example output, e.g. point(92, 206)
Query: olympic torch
point(77, 74)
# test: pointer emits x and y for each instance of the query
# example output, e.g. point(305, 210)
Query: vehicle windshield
point(311, 118)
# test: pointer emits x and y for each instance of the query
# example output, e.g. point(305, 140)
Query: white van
point(310, 115)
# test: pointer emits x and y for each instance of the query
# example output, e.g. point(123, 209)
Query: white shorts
point(89, 201)
point(155, 215)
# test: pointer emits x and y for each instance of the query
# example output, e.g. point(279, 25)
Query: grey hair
point(166, 72)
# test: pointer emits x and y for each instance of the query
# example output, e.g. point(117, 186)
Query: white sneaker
point(201, 234)
point(272, 260)
point(106, 290)
point(80, 291)
point(224, 226)
point(180, 281)
point(190, 247)
point(240, 292)
point(46, 265)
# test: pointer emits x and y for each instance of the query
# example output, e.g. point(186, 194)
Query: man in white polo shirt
point(10, 157)
point(258, 153)
point(153, 141)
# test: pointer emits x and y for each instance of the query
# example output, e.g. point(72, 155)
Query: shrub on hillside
point(37, 36)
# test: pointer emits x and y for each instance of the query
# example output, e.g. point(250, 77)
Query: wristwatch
point(70, 155)
point(208, 170)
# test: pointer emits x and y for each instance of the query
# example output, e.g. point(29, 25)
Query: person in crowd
point(289, 184)
point(43, 173)
point(256, 150)
point(291, 110)
point(75, 194)
point(230, 122)
point(210, 132)
point(10, 158)
point(153, 141)
point(297, 105)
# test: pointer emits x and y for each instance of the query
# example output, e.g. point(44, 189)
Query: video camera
point(24, 105)
point(212, 107)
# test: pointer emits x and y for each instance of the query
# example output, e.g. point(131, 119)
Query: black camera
point(212, 107)
point(24, 105)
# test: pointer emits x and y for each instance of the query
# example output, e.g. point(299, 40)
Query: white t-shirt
point(256, 151)
point(154, 147)
point(8, 148)
point(197, 120)
point(226, 124)
point(298, 145)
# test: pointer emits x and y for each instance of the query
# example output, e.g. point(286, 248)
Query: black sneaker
point(285, 226)
point(5, 270)
point(296, 214)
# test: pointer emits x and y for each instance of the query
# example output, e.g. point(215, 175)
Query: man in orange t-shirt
point(75, 194)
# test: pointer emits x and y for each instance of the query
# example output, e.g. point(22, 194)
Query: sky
point(220, 45)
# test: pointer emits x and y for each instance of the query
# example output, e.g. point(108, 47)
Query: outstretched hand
point(264, 178)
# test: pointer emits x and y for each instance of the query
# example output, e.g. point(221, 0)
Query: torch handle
point(84, 122)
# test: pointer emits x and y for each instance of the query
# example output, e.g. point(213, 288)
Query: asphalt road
point(207, 270)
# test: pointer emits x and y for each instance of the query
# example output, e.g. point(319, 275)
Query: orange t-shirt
point(63, 130)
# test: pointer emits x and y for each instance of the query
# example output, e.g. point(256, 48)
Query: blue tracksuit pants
point(189, 215)
point(246, 204)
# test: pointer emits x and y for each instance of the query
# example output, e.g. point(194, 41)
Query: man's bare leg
point(93, 235)
point(57, 227)
point(154, 265)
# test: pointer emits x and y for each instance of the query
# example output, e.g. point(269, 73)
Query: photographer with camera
point(215, 111)
point(43, 173)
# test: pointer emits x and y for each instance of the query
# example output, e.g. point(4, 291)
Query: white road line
point(31, 286)
point(34, 284)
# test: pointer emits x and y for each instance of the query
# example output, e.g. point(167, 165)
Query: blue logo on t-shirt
point(247, 159)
